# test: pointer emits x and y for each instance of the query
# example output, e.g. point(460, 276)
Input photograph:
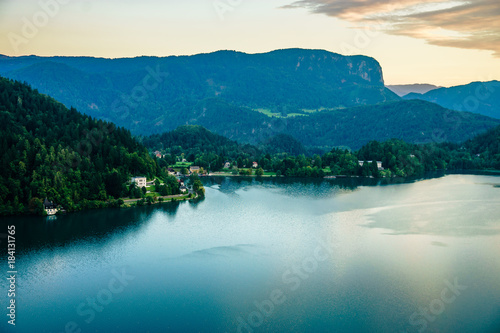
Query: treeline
point(398, 158)
point(51, 152)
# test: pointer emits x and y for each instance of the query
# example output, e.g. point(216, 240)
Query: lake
point(269, 256)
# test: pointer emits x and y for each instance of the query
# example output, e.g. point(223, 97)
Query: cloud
point(468, 24)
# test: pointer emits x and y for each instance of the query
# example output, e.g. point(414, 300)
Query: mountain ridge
point(296, 78)
point(321, 98)
point(478, 97)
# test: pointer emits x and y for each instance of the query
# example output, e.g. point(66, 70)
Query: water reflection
point(307, 187)
point(38, 232)
point(454, 219)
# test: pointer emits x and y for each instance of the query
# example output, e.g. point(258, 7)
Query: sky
point(444, 43)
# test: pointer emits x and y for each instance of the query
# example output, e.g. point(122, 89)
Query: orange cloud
point(468, 24)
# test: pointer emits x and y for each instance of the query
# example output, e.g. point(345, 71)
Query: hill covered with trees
point(49, 151)
point(485, 148)
point(292, 77)
point(146, 94)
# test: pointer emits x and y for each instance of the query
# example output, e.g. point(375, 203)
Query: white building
point(49, 207)
point(379, 164)
point(139, 181)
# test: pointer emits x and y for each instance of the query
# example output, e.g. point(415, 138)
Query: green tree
point(35, 206)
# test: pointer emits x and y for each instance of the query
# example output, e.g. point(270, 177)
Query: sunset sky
point(416, 41)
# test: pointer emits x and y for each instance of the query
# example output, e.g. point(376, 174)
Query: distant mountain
point(477, 97)
point(144, 93)
point(405, 89)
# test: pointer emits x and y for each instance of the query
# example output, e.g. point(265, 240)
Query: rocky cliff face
point(339, 68)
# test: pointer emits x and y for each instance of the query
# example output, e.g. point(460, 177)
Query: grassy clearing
point(323, 109)
point(269, 113)
point(181, 165)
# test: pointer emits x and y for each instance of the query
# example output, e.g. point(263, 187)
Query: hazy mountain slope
point(477, 97)
point(411, 121)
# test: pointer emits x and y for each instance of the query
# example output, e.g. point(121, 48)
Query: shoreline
point(130, 203)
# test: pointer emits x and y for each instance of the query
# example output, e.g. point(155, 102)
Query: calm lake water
point(269, 256)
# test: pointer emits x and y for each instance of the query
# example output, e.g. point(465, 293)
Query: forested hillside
point(486, 148)
point(145, 94)
point(412, 121)
point(49, 151)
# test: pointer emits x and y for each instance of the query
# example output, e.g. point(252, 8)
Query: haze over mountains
point(477, 97)
point(405, 89)
point(321, 98)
